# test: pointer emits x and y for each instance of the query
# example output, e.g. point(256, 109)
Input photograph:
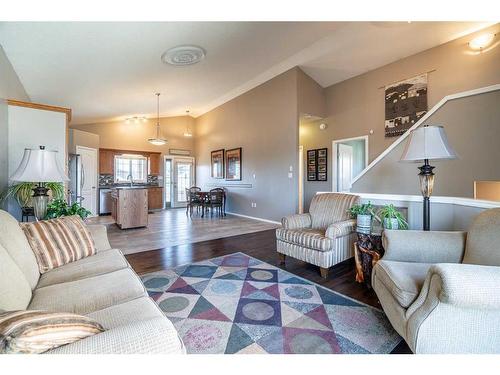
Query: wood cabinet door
point(155, 198)
point(154, 164)
point(106, 162)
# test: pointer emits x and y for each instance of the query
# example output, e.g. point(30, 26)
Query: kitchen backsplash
point(108, 179)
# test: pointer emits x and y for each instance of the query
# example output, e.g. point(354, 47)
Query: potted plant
point(59, 207)
point(392, 218)
point(23, 192)
point(363, 214)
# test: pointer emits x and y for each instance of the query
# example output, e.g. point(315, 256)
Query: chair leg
point(281, 258)
point(323, 272)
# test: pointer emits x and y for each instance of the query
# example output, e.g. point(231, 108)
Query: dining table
point(204, 196)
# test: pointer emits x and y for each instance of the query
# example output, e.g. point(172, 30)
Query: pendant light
point(158, 141)
point(187, 133)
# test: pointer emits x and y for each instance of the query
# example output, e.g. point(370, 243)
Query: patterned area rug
point(239, 304)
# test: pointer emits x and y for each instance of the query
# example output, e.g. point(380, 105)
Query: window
point(131, 165)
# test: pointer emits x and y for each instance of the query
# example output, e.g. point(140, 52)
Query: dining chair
point(193, 199)
point(216, 200)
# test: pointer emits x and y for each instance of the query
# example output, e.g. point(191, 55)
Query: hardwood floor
point(260, 245)
point(168, 228)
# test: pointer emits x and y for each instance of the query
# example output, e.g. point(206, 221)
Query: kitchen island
point(129, 206)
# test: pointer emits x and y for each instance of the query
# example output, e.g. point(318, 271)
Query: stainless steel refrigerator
point(75, 173)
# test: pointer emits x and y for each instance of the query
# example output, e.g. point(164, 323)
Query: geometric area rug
point(239, 304)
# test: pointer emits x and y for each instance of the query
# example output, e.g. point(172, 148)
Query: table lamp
point(424, 144)
point(39, 166)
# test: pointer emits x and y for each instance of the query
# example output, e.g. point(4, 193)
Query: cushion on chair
point(15, 242)
point(329, 208)
point(98, 264)
point(15, 291)
point(403, 280)
point(483, 239)
point(90, 294)
point(310, 238)
point(34, 332)
point(60, 241)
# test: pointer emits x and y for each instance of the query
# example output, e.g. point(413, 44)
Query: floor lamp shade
point(39, 166)
point(424, 144)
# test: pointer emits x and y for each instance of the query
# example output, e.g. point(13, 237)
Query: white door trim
point(334, 156)
point(175, 158)
point(301, 179)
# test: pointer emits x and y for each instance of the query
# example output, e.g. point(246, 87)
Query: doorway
point(88, 178)
point(350, 157)
point(179, 176)
point(301, 179)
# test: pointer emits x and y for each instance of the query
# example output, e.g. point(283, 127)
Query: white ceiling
point(108, 71)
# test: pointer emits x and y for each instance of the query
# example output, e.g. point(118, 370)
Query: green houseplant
point(22, 192)
point(392, 218)
point(59, 207)
point(363, 213)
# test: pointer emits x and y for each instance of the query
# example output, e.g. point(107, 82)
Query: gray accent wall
point(264, 123)
point(10, 88)
point(472, 125)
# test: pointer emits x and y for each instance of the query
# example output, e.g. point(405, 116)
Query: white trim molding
point(442, 102)
point(459, 201)
point(335, 143)
point(254, 218)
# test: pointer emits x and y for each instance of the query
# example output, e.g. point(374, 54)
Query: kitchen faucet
point(131, 181)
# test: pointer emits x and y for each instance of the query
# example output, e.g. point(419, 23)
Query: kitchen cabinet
point(155, 198)
point(154, 164)
point(106, 161)
point(130, 207)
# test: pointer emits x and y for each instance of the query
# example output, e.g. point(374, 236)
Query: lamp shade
point(428, 142)
point(39, 166)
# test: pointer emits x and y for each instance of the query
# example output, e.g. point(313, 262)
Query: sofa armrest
point(297, 221)
point(153, 336)
point(468, 285)
point(341, 228)
point(100, 236)
point(424, 246)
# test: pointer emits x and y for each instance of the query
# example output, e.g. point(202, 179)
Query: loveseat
point(102, 287)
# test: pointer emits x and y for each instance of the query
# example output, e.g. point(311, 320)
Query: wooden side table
point(367, 252)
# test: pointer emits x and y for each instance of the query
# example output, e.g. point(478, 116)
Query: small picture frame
point(322, 160)
point(322, 177)
point(322, 153)
point(311, 176)
point(233, 164)
point(321, 168)
point(217, 163)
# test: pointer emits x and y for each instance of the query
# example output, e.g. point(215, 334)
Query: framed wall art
point(233, 164)
point(217, 163)
point(317, 164)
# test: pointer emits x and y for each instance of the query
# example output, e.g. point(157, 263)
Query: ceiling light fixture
point(135, 119)
point(158, 141)
point(183, 55)
point(482, 41)
point(188, 132)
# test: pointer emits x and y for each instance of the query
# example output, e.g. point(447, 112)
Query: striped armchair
point(324, 236)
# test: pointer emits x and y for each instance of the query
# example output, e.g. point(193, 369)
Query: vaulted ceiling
point(111, 70)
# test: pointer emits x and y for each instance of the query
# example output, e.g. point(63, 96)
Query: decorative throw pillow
point(38, 331)
point(57, 242)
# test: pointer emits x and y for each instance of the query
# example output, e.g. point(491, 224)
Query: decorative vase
point(40, 206)
point(364, 224)
point(391, 223)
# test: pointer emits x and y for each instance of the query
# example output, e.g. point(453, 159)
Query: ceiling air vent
point(183, 55)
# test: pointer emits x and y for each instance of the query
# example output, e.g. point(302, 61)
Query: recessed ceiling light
point(481, 41)
point(183, 55)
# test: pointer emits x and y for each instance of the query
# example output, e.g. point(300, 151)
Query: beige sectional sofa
point(102, 286)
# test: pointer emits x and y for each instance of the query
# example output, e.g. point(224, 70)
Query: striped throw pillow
point(57, 242)
point(38, 331)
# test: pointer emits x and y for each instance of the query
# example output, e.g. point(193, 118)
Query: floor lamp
point(39, 166)
point(424, 144)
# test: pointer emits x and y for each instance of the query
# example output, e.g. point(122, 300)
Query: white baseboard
point(254, 218)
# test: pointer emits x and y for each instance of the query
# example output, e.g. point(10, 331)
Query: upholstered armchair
point(441, 290)
point(322, 237)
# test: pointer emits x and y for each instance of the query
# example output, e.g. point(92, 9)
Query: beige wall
point(310, 96)
point(119, 135)
point(10, 88)
point(264, 122)
point(356, 105)
point(82, 138)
